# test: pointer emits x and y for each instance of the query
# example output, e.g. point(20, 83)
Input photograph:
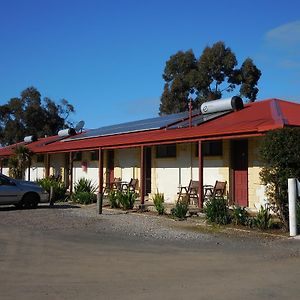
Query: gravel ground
point(71, 252)
point(134, 225)
point(64, 217)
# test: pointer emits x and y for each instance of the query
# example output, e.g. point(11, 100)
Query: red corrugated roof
point(255, 118)
point(34, 146)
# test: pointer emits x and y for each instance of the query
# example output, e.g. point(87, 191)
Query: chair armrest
point(183, 188)
point(208, 186)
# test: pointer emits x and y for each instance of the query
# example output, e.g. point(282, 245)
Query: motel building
point(219, 142)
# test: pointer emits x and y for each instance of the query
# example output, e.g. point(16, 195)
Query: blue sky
point(107, 57)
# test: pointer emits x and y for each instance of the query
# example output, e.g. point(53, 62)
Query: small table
point(208, 190)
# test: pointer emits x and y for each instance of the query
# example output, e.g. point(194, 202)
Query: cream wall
point(37, 170)
point(256, 192)
point(5, 171)
point(127, 162)
point(170, 173)
point(57, 163)
point(85, 168)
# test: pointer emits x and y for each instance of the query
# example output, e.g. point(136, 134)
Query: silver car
point(21, 193)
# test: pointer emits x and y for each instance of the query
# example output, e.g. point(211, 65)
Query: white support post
point(292, 191)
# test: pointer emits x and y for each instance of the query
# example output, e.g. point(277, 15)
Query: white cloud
point(282, 46)
point(285, 35)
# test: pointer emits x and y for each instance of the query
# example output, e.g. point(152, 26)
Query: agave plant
point(85, 185)
point(84, 191)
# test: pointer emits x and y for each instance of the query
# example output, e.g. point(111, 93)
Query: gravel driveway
point(71, 252)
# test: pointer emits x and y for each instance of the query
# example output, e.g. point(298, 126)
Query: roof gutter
point(164, 142)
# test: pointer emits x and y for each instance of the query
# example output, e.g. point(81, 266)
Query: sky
point(107, 57)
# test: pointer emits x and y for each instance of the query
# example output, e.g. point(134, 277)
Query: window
point(166, 151)
point(94, 155)
point(5, 162)
point(77, 156)
point(211, 148)
point(40, 158)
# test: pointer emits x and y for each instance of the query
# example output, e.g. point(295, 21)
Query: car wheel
point(30, 200)
point(19, 205)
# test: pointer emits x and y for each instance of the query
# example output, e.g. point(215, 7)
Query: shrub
point(85, 185)
point(180, 210)
point(158, 200)
point(239, 216)
point(113, 199)
point(84, 191)
point(280, 151)
point(126, 199)
point(298, 213)
point(58, 188)
point(217, 211)
point(263, 219)
point(84, 198)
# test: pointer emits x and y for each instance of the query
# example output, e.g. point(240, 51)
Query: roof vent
point(234, 103)
point(30, 138)
point(66, 132)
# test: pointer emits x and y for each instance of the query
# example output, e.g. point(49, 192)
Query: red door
point(110, 166)
point(239, 150)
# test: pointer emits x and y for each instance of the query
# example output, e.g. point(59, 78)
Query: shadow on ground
point(43, 206)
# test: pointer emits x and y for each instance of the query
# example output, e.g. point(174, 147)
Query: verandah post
point(200, 167)
point(71, 172)
point(100, 182)
point(142, 179)
point(47, 171)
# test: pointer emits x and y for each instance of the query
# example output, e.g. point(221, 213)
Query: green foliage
point(29, 115)
point(126, 199)
point(263, 219)
point(58, 188)
point(280, 151)
point(239, 216)
point(216, 211)
point(113, 199)
point(158, 200)
point(82, 197)
point(19, 161)
point(298, 213)
point(85, 185)
point(180, 210)
point(206, 78)
point(84, 191)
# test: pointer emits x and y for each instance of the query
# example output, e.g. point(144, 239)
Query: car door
point(9, 191)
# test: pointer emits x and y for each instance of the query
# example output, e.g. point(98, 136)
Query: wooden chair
point(115, 185)
point(190, 191)
point(218, 190)
point(131, 186)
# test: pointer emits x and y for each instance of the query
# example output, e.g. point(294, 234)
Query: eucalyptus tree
point(216, 71)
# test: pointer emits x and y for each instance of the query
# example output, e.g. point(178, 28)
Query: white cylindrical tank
point(234, 103)
point(66, 132)
point(30, 138)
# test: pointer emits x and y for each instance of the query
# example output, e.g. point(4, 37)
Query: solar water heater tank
point(234, 103)
point(30, 138)
point(66, 132)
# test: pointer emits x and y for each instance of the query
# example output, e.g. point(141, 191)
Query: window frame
point(211, 148)
point(166, 151)
point(94, 155)
point(77, 156)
